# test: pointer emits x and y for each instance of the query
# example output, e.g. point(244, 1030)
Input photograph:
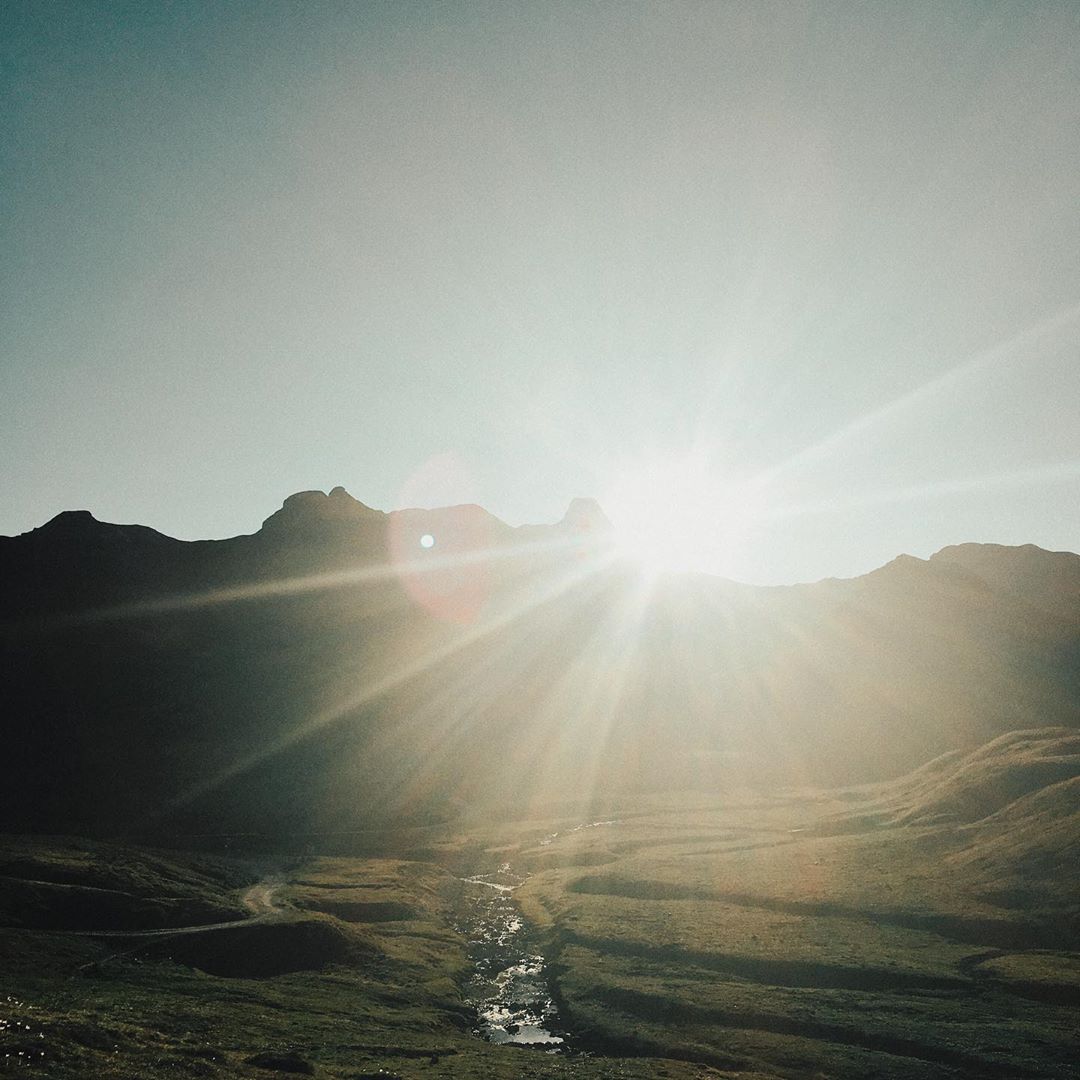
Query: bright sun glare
point(678, 514)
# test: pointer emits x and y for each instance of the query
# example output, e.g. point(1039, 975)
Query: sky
point(514, 253)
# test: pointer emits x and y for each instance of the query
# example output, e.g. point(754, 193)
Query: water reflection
point(509, 986)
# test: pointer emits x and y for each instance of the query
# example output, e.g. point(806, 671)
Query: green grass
point(387, 999)
point(74, 883)
point(870, 953)
point(803, 935)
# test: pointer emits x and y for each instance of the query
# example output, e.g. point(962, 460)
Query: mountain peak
point(71, 519)
point(586, 514)
point(307, 509)
point(1048, 579)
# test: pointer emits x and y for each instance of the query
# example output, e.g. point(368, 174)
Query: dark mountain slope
point(343, 665)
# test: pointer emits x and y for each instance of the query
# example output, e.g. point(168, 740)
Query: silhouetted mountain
point(310, 511)
point(344, 665)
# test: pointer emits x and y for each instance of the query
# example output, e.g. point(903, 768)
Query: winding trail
point(261, 899)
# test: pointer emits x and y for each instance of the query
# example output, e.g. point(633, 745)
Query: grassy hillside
point(765, 937)
point(357, 975)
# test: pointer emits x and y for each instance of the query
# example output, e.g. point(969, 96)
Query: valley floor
point(826, 935)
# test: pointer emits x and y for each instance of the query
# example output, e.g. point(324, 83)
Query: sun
point(678, 514)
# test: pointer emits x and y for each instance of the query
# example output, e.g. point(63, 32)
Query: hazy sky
point(248, 249)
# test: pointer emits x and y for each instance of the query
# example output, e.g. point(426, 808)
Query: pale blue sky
point(248, 249)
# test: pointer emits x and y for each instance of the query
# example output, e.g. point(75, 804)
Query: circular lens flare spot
point(427, 541)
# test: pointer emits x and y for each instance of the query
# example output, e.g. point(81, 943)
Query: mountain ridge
point(345, 661)
point(312, 508)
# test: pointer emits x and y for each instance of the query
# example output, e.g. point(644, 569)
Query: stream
point(509, 986)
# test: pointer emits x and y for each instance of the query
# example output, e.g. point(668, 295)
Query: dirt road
point(262, 899)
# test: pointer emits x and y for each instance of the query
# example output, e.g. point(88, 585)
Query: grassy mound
point(990, 778)
point(965, 788)
point(1028, 855)
point(70, 884)
point(266, 949)
point(364, 911)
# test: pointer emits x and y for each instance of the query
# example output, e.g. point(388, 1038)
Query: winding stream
point(509, 986)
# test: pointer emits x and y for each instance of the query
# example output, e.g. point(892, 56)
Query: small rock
point(282, 1062)
point(89, 1035)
